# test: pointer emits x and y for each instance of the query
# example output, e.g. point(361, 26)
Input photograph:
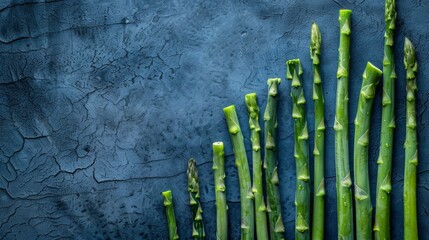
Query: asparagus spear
point(319, 138)
point(271, 176)
point(260, 209)
point(194, 199)
point(382, 210)
point(219, 178)
point(171, 219)
point(411, 156)
point(371, 77)
point(246, 195)
point(343, 179)
point(301, 151)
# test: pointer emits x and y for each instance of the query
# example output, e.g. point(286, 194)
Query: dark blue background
point(103, 102)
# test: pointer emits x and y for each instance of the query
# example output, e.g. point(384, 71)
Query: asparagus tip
point(252, 105)
point(193, 183)
point(371, 69)
point(409, 52)
point(273, 80)
point(229, 109)
point(345, 13)
point(166, 193)
point(316, 38)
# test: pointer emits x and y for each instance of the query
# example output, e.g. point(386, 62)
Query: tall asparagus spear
point(271, 176)
point(246, 195)
point(194, 199)
point(342, 166)
point(219, 178)
point(319, 138)
point(370, 81)
point(382, 209)
point(411, 156)
point(258, 191)
point(171, 219)
point(302, 194)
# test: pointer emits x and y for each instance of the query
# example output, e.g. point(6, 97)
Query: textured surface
point(103, 102)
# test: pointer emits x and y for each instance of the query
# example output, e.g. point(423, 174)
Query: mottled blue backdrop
point(103, 102)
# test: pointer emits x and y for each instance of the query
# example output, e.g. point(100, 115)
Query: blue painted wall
point(103, 102)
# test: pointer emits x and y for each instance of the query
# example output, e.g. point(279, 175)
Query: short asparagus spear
point(271, 176)
point(301, 152)
point(219, 178)
point(171, 219)
point(370, 81)
point(246, 195)
point(411, 156)
point(257, 189)
point(382, 209)
point(194, 199)
point(342, 165)
point(319, 138)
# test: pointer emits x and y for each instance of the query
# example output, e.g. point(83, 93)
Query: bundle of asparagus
point(254, 209)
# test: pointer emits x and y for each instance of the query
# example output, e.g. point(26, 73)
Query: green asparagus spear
point(219, 178)
point(194, 199)
point(301, 152)
point(246, 195)
point(382, 209)
point(171, 219)
point(363, 205)
point(257, 189)
point(341, 127)
point(271, 176)
point(319, 138)
point(411, 156)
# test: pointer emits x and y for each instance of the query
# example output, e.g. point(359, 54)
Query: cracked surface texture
point(103, 102)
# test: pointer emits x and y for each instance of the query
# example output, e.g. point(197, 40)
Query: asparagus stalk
point(319, 138)
point(171, 219)
point(246, 195)
point(301, 152)
point(382, 210)
point(219, 178)
point(371, 77)
point(411, 156)
point(194, 199)
point(271, 176)
point(257, 189)
point(343, 179)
